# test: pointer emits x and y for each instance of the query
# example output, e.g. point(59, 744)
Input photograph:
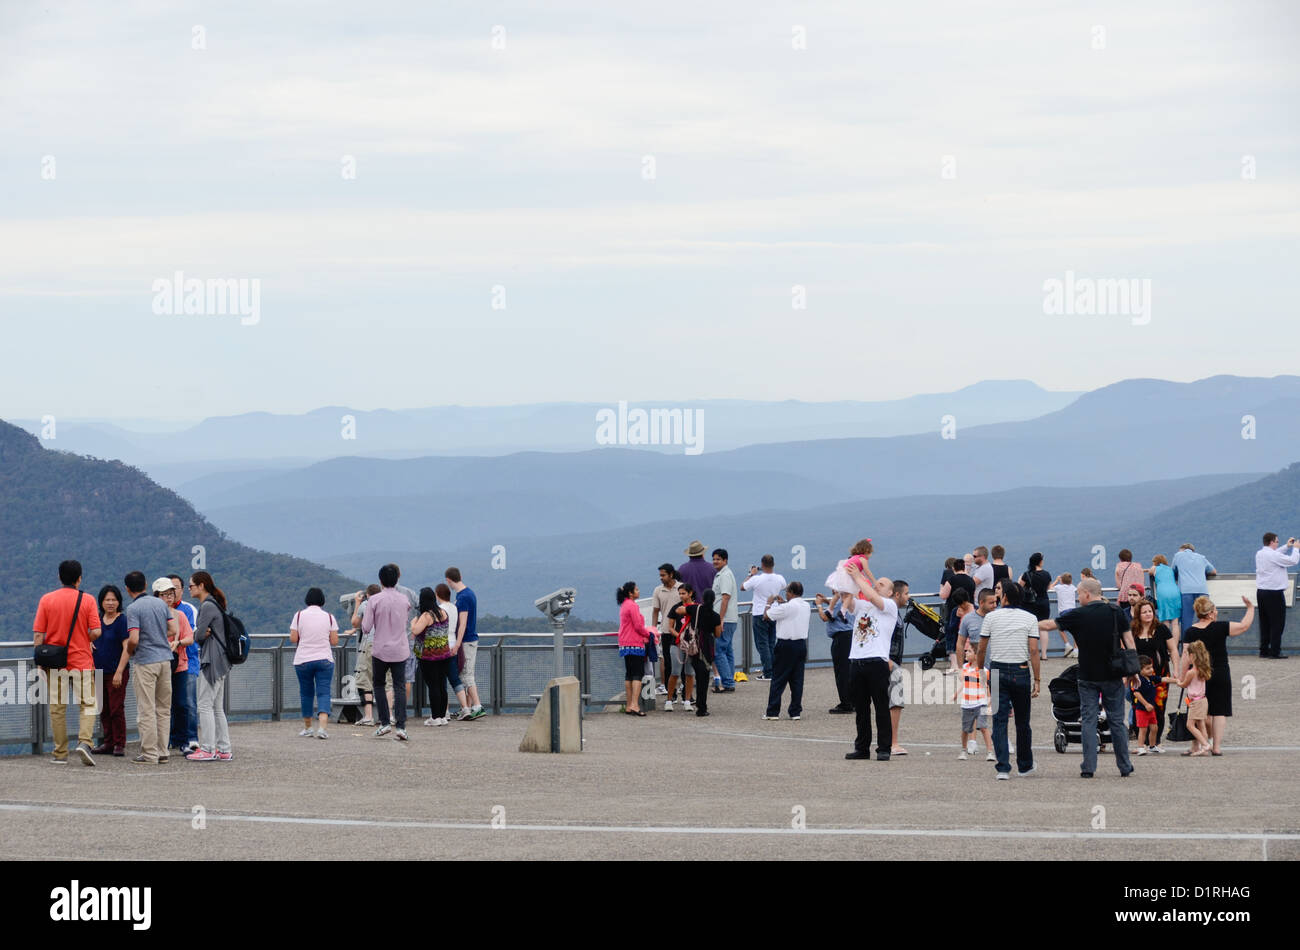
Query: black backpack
point(235, 642)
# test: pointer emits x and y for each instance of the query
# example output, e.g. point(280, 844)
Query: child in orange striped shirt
point(973, 691)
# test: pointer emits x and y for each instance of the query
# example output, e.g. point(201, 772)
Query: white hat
point(163, 584)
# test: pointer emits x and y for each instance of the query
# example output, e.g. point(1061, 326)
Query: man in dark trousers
point(874, 620)
point(837, 614)
point(1270, 592)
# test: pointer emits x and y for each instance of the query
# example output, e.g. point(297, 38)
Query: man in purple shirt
point(697, 572)
point(387, 618)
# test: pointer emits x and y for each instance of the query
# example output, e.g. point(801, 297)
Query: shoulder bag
point(52, 656)
point(1123, 661)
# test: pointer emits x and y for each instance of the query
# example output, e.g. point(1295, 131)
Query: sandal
point(1201, 752)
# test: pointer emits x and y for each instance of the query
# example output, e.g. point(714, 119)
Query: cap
point(162, 584)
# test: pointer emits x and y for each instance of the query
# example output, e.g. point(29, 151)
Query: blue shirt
point(467, 606)
point(108, 648)
point(1190, 569)
point(840, 622)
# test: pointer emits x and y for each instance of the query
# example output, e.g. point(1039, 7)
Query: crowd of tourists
point(178, 656)
point(1163, 631)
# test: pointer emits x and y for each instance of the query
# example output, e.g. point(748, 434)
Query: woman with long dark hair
point(705, 628)
point(434, 631)
point(214, 666)
point(1154, 639)
point(114, 661)
point(632, 639)
point(1035, 580)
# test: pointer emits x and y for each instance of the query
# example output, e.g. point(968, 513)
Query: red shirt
point(54, 614)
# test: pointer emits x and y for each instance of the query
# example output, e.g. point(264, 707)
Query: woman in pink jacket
point(632, 638)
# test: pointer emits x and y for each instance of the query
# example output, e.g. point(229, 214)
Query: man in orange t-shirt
point(54, 617)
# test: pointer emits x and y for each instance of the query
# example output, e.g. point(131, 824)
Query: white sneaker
point(668, 705)
point(686, 705)
point(990, 757)
point(306, 733)
point(1158, 749)
point(441, 721)
point(661, 690)
point(961, 757)
point(322, 734)
point(1142, 750)
point(463, 715)
point(1032, 769)
point(1004, 776)
point(771, 718)
point(970, 746)
point(794, 718)
point(431, 721)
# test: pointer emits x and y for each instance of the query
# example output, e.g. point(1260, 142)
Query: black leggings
point(436, 673)
point(701, 667)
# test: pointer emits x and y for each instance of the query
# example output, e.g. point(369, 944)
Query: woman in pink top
point(316, 633)
point(632, 638)
point(1127, 572)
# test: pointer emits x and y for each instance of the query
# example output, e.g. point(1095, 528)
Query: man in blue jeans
point(726, 604)
point(1095, 625)
point(1009, 643)
point(765, 585)
point(185, 686)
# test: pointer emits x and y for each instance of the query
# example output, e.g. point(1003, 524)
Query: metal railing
point(511, 668)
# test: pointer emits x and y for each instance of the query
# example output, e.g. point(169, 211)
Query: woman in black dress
point(1156, 640)
point(1214, 633)
point(1038, 580)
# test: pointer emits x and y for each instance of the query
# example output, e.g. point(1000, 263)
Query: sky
point(485, 203)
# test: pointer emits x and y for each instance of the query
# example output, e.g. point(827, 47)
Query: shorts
point(682, 667)
point(411, 666)
point(1145, 717)
point(974, 717)
point(469, 651)
point(634, 666)
point(896, 687)
point(1200, 709)
point(362, 676)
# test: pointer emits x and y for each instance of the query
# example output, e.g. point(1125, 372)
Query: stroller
point(1064, 691)
point(926, 621)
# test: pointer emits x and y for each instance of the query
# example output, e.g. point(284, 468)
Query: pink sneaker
point(202, 755)
point(225, 756)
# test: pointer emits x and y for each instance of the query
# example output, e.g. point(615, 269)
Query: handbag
point(53, 656)
point(1178, 731)
point(1123, 661)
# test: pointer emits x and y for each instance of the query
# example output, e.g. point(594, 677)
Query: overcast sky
point(1114, 140)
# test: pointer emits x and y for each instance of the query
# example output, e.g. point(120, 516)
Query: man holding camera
point(1270, 591)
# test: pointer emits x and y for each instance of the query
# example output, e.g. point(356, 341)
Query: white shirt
point(765, 587)
point(983, 577)
point(1065, 599)
point(1271, 565)
point(791, 619)
point(873, 630)
point(1008, 630)
point(453, 618)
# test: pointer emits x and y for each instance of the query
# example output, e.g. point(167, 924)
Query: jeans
point(185, 710)
point(1112, 694)
point(314, 682)
point(843, 670)
point(1272, 620)
point(787, 667)
point(1013, 686)
point(869, 686)
point(1188, 615)
point(153, 707)
point(214, 731)
point(381, 670)
point(724, 657)
point(764, 642)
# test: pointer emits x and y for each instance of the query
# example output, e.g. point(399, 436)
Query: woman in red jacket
point(632, 638)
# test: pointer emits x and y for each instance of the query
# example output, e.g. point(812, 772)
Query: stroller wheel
point(1060, 740)
point(927, 661)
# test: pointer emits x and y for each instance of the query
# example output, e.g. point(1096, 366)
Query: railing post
point(746, 638)
point(498, 677)
point(277, 688)
point(38, 726)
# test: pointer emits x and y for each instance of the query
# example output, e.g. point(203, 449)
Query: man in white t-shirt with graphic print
point(869, 664)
